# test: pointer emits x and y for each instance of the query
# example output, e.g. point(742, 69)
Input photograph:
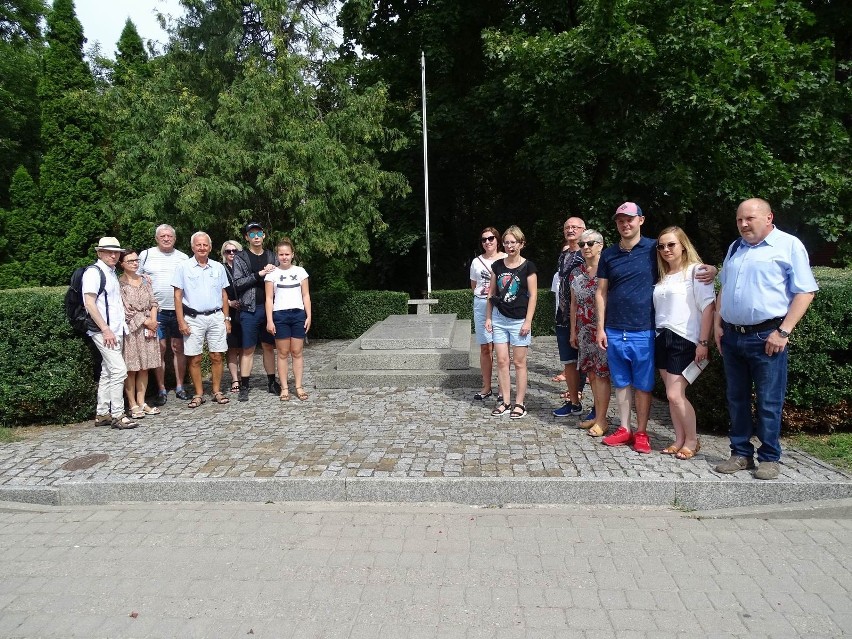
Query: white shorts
point(209, 327)
point(482, 336)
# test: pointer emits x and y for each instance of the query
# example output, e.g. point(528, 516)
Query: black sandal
point(518, 411)
point(501, 409)
point(235, 386)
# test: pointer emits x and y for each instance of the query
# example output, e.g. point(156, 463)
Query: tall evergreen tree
point(71, 218)
point(20, 51)
point(132, 59)
point(18, 226)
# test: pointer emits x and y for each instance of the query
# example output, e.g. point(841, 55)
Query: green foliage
point(71, 219)
point(17, 226)
point(131, 59)
point(460, 302)
point(46, 375)
point(20, 51)
point(238, 122)
point(347, 314)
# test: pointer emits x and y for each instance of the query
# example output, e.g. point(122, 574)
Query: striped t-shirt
point(161, 267)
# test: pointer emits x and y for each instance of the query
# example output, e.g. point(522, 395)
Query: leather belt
point(769, 324)
point(191, 312)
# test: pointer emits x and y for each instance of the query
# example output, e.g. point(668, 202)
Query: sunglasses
point(230, 251)
point(589, 244)
point(254, 234)
point(670, 246)
point(490, 238)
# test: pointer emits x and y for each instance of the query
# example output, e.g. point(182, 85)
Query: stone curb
point(728, 499)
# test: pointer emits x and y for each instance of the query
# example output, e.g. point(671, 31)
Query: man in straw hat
point(106, 311)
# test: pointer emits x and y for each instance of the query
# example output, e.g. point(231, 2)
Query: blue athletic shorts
point(630, 355)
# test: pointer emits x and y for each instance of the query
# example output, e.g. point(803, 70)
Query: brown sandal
point(219, 398)
point(284, 396)
point(598, 430)
point(670, 449)
point(195, 402)
point(687, 453)
point(301, 394)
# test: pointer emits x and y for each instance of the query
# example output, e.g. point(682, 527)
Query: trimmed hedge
point(47, 372)
point(460, 302)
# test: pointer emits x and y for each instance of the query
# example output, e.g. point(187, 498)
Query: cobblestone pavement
point(426, 571)
point(370, 433)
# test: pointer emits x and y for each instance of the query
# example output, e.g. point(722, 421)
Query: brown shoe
point(123, 423)
point(735, 464)
point(103, 420)
point(767, 470)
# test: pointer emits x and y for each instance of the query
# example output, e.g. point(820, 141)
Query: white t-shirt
point(480, 272)
point(679, 301)
point(112, 294)
point(288, 287)
point(161, 267)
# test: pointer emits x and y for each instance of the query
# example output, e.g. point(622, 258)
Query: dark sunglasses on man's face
point(230, 251)
point(663, 247)
point(585, 244)
point(490, 238)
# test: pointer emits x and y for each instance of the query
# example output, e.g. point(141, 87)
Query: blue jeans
point(746, 365)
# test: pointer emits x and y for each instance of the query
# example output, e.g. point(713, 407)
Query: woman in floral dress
point(591, 360)
point(141, 347)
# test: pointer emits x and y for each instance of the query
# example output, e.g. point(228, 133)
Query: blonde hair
point(689, 256)
point(515, 232)
point(228, 243)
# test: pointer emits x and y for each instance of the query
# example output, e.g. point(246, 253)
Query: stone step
point(399, 332)
point(457, 357)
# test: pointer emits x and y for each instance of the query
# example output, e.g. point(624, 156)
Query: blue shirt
point(201, 285)
point(760, 281)
point(630, 279)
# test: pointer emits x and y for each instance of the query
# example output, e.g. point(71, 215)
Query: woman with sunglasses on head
point(512, 296)
point(683, 310)
point(141, 348)
point(235, 338)
point(480, 280)
point(591, 360)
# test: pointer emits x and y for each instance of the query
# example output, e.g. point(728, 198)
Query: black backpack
point(75, 309)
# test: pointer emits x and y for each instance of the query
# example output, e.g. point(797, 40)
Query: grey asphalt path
point(401, 571)
point(387, 444)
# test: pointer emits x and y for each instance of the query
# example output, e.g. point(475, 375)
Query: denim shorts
point(506, 330)
point(290, 323)
point(630, 356)
point(254, 327)
point(482, 336)
point(167, 325)
point(567, 353)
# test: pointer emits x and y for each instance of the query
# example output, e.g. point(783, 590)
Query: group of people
point(640, 304)
point(166, 298)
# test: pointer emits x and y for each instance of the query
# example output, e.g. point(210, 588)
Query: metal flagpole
point(426, 179)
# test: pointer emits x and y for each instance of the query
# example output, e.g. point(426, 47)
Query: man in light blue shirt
point(201, 306)
point(767, 285)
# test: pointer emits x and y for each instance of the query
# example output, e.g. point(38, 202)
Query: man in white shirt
point(159, 263)
point(200, 297)
point(106, 313)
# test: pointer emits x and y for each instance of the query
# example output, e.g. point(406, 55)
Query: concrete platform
point(396, 352)
point(389, 444)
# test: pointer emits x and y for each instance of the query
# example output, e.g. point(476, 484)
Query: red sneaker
point(641, 443)
point(620, 437)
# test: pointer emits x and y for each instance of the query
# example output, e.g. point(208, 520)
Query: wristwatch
point(782, 332)
point(703, 342)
